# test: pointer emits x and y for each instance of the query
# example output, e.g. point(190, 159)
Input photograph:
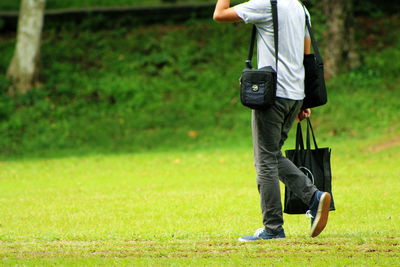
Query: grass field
point(189, 208)
point(112, 162)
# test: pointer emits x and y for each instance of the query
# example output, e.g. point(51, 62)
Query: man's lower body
point(270, 130)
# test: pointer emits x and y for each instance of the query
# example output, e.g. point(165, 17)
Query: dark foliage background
point(144, 87)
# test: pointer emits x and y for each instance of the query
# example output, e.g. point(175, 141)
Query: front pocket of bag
point(255, 93)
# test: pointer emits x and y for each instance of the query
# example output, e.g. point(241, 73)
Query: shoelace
point(259, 232)
point(308, 214)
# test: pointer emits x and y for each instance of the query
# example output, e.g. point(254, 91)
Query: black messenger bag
point(314, 82)
point(258, 86)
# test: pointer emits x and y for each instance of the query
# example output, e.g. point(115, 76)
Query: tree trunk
point(23, 72)
point(339, 36)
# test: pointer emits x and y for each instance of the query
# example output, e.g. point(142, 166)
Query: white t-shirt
point(292, 31)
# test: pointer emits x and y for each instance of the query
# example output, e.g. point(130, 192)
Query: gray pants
point(270, 130)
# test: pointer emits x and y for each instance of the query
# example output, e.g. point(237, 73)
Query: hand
point(304, 113)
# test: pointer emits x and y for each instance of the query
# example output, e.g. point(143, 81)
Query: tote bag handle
point(299, 138)
point(309, 127)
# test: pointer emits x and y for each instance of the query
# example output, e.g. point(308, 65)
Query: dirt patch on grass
point(395, 141)
point(193, 249)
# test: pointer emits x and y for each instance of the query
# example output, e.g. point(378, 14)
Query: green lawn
point(168, 208)
point(113, 162)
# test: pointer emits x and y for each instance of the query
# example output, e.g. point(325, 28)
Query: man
point(270, 127)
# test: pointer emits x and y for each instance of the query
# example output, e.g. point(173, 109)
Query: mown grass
point(136, 150)
point(185, 208)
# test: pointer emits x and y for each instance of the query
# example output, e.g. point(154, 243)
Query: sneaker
point(319, 211)
point(262, 234)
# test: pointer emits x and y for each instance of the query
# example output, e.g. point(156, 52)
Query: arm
point(307, 45)
point(305, 113)
point(224, 13)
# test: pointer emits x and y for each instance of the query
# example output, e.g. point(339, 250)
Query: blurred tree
point(23, 72)
point(339, 36)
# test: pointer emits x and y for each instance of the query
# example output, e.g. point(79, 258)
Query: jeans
point(270, 130)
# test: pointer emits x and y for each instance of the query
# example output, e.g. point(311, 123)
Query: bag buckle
point(248, 64)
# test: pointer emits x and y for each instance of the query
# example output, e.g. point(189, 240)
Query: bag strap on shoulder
point(276, 35)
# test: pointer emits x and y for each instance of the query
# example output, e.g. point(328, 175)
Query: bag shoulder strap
point(274, 4)
point(250, 56)
point(313, 42)
point(276, 35)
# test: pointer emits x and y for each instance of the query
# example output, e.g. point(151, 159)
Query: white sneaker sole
point(321, 219)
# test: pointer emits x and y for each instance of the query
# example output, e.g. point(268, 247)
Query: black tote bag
point(315, 164)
